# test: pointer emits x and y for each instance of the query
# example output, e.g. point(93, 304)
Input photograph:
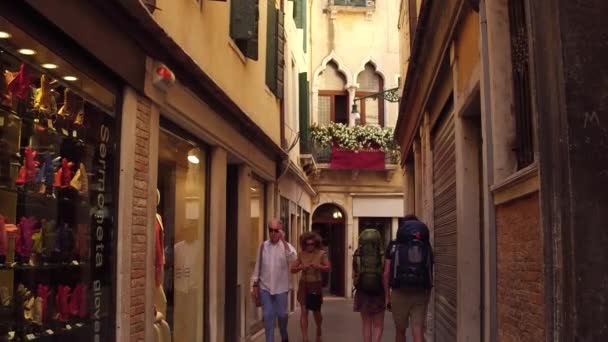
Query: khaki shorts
point(409, 306)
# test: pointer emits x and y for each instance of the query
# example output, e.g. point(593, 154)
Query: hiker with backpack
point(408, 277)
point(270, 281)
point(368, 282)
point(312, 260)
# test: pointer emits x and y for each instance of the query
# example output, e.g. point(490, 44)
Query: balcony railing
point(323, 155)
point(354, 3)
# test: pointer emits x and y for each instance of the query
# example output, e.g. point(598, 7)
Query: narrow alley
point(340, 324)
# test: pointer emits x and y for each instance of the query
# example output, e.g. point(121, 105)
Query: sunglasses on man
point(272, 230)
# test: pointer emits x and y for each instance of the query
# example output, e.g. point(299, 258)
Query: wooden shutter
point(444, 197)
point(243, 19)
point(280, 53)
point(271, 47)
point(304, 113)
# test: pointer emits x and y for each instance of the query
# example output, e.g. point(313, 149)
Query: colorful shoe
point(64, 242)
point(36, 248)
point(7, 97)
point(78, 301)
point(80, 181)
point(46, 177)
point(45, 102)
point(64, 175)
point(30, 165)
point(24, 244)
point(37, 311)
point(49, 237)
point(62, 303)
point(44, 294)
point(20, 85)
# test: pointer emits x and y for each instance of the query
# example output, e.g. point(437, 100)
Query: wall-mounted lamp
point(337, 214)
point(192, 157)
point(355, 111)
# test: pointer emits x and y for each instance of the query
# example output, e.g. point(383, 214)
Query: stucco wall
point(203, 32)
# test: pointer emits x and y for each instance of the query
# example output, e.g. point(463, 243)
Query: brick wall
point(520, 297)
point(140, 220)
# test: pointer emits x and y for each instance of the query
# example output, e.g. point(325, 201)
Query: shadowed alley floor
point(340, 324)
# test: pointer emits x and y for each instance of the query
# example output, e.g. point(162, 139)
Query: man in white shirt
point(271, 277)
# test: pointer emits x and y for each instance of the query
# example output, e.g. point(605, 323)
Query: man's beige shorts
point(409, 306)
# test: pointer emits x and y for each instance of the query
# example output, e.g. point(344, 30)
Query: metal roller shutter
point(444, 195)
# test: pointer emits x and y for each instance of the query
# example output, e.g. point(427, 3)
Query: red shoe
point(62, 303)
point(78, 301)
point(20, 85)
point(21, 178)
point(24, 243)
point(43, 294)
point(66, 173)
point(30, 165)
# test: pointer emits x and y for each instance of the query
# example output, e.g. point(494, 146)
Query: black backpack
point(411, 257)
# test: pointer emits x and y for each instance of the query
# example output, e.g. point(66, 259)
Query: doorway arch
point(329, 221)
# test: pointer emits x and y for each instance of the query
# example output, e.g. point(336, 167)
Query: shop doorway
point(329, 221)
point(232, 295)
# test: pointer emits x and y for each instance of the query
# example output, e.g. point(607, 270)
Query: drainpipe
point(489, 326)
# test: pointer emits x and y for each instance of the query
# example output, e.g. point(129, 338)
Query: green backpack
point(368, 263)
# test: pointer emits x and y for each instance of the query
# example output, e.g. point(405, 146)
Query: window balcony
point(340, 156)
point(361, 6)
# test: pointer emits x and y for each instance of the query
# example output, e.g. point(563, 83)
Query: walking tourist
point(270, 281)
point(312, 260)
point(408, 271)
point(368, 281)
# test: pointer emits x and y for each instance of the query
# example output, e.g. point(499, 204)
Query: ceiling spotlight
point(27, 52)
point(4, 35)
point(70, 78)
point(193, 159)
point(49, 66)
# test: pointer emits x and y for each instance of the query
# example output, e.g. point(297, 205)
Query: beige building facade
point(354, 52)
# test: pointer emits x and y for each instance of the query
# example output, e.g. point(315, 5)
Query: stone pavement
point(340, 324)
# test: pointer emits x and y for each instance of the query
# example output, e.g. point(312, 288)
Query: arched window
point(372, 109)
point(333, 98)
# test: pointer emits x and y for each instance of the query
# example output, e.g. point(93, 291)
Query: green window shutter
point(271, 46)
point(304, 24)
point(304, 113)
point(280, 53)
point(244, 17)
point(299, 13)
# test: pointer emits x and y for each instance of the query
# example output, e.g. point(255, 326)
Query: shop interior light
point(27, 52)
point(193, 159)
point(70, 78)
point(4, 35)
point(49, 66)
point(253, 189)
point(337, 214)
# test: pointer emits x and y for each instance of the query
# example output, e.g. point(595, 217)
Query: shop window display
point(258, 234)
point(56, 201)
point(179, 252)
